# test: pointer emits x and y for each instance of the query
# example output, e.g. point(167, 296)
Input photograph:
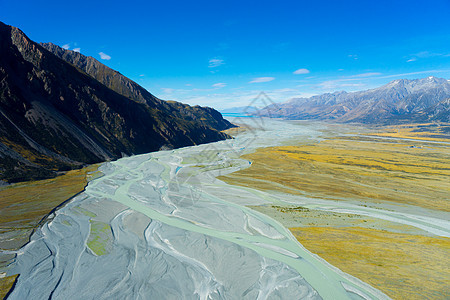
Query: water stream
point(161, 226)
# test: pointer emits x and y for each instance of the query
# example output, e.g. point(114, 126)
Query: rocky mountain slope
point(56, 115)
point(419, 100)
point(130, 89)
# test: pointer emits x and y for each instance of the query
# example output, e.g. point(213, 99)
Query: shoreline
point(204, 164)
point(21, 216)
point(179, 201)
point(336, 229)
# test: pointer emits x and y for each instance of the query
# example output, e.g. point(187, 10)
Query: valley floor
point(402, 173)
point(368, 218)
point(23, 206)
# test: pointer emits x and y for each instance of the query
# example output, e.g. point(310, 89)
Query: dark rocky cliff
point(130, 89)
point(55, 116)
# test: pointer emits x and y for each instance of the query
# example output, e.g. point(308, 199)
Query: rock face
point(58, 114)
point(399, 101)
point(130, 89)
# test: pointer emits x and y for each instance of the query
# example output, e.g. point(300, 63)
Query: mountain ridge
point(130, 89)
point(91, 66)
point(55, 117)
point(400, 100)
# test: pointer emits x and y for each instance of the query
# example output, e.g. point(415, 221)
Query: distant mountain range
point(400, 101)
point(60, 110)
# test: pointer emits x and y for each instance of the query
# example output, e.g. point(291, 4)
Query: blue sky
point(223, 53)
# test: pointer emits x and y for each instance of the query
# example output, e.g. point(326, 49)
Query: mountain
point(57, 115)
point(130, 89)
point(402, 100)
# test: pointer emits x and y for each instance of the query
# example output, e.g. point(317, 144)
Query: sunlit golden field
point(24, 205)
point(428, 131)
point(5, 285)
point(403, 266)
point(357, 168)
point(402, 261)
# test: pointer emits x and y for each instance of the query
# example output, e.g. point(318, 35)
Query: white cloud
point(234, 97)
point(104, 56)
point(363, 81)
point(333, 85)
point(285, 90)
point(77, 50)
point(354, 56)
point(168, 90)
point(141, 75)
point(425, 54)
point(240, 98)
point(367, 74)
point(219, 85)
point(301, 71)
point(215, 62)
point(351, 82)
point(414, 73)
point(262, 79)
point(66, 46)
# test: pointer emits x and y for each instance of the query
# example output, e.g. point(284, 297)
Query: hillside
point(54, 116)
point(419, 100)
point(130, 89)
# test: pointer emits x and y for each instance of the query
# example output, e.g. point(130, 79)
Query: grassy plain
point(426, 131)
point(402, 261)
point(354, 168)
point(5, 285)
point(403, 266)
point(24, 205)
point(411, 168)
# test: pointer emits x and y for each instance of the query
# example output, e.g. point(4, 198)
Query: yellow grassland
point(402, 261)
point(354, 169)
point(26, 153)
point(27, 202)
point(5, 285)
point(23, 205)
point(426, 131)
point(238, 130)
point(403, 266)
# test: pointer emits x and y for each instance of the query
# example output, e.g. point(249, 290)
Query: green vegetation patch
point(85, 212)
point(100, 238)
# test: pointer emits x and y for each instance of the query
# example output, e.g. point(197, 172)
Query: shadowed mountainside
point(400, 101)
point(55, 116)
point(130, 89)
